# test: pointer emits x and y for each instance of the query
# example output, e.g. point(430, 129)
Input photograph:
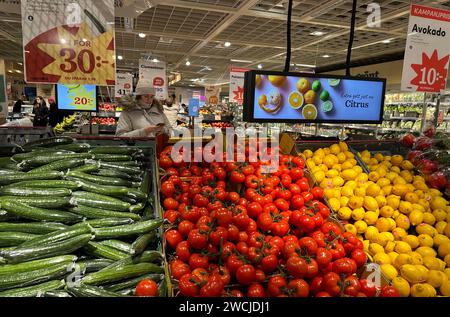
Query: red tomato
point(254, 255)
point(197, 240)
point(317, 192)
point(237, 177)
point(167, 189)
point(260, 276)
point(264, 221)
point(183, 251)
point(308, 246)
point(276, 285)
point(296, 173)
point(303, 183)
point(323, 257)
point(165, 161)
point(300, 287)
point(331, 283)
point(306, 223)
point(295, 189)
point(315, 285)
point(233, 197)
point(223, 272)
point(242, 248)
point(185, 227)
point(213, 287)
point(146, 287)
point(282, 204)
point(246, 274)
point(224, 216)
point(236, 293)
point(389, 291)
point(352, 286)
point(218, 236)
point(188, 286)
point(173, 238)
point(269, 263)
point(359, 256)
point(256, 290)
point(233, 263)
point(343, 266)
point(286, 180)
point(227, 249)
point(254, 209)
point(368, 288)
point(170, 203)
point(200, 201)
point(296, 266)
point(319, 237)
point(171, 215)
point(298, 161)
point(198, 261)
point(284, 194)
point(178, 268)
point(280, 228)
point(323, 294)
point(307, 196)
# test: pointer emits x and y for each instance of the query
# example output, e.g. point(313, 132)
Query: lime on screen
point(334, 82)
point(327, 106)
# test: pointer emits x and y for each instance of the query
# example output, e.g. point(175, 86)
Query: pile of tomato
point(235, 231)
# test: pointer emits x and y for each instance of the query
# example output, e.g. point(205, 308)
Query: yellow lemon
point(355, 202)
point(373, 161)
point(379, 157)
point(418, 207)
point(399, 189)
point(323, 167)
point(350, 228)
point(424, 228)
point(402, 286)
point(360, 192)
point(407, 165)
point(360, 226)
point(308, 153)
point(426, 251)
point(424, 203)
point(402, 247)
point(419, 193)
point(366, 244)
point(405, 207)
point(351, 184)
point(402, 259)
point(447, 272)
point(431, 263)
point(389, 247)
point(396, 160)
point(423, 290)
point(429, 218)
point(329, 160)
point(389, 271)
point(412, 273)
point(375, 248)
point(416, 258)
point(347, 191)
point(413, 241)
point(326, 151)
point(373, 190)
point(383, 224)
point(382, 258)
point(383, 182)
point(334, 203)
point(344, 201)
point(382, 171)
point(349, 174)
point(362, 178)
point(393, 201)
point(406, 176)
point(370, 217)
point(439, 239)
point(370, 203)
point(319, 176)
point(435, 192)
point(392, 223)
point(346, 166)
point(447, 260)
point(343, 146)
point(358, 214)
point(444, 249)
point(402, 221)
point(371, 233)
point(332, 173)
point(445, 288)
point(326, 183)
point(420, 185)
point(374, 176)
point(335, 149)
point(341, 157)
point(438, 203)
point(391, 176)
point(447, 228)
point(329, 193)
point(412, 197)
point(415, 217)
point(344, 213)
point(439, 214)
point(387, 190)
point(338, 181)
point(357, 169)
point(317, 160)
point(381, 200)
point(425, 240)
point(399, 233)
point(386, 211)
point(399, 180)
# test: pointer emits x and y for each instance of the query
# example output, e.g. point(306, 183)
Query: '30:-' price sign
point(425, 66)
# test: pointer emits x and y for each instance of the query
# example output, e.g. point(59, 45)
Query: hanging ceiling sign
point(237, 75)
point(69, 42)
point(153, 74)
point(425, 65)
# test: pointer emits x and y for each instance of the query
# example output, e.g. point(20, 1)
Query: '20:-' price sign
point(425, 66)
point(69, 42)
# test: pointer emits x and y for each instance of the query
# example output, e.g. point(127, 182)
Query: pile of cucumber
point(77, 220)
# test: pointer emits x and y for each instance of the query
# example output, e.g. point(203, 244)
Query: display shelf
point(401, 118)
point(410, 103)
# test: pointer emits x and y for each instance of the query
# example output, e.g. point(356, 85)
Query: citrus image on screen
point(317, 99)
point(77, 97)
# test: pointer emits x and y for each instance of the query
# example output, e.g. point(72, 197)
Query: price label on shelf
point(68, 42)
point(425, 66)
point(124, 84)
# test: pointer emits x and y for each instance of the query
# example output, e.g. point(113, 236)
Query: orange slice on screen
point(296, 100)
point(309, 112)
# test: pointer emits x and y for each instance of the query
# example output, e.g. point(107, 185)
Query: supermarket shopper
point(171, 110)
point(142, 116)
point(17, 108)
point(40, 111)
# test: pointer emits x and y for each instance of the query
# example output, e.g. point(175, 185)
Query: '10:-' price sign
point(425, 66)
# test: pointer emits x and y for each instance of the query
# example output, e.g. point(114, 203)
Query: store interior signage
point(76, 97)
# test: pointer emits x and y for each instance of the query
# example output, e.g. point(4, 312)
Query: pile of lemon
point(404, 224)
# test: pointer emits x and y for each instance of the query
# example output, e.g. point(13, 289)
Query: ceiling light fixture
point(63, 41)
point(120, 57)
point(84, 40)
point(20, 63)
point(305, 65)
point(188, 63)
point(10, 71)
point(325, 56)
point(155, 60)
point(227, 44)
point(386, 41)
point(259, 66)
point(317, 33)
point(142, 35)
point(18, 71)
point(240, 61)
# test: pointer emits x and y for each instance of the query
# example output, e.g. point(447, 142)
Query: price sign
point(425, 66)
point(237, 75)
point(153, 74)
point(74, 46)
point(124, 84)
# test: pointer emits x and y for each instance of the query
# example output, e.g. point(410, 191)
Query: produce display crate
point(21, 135)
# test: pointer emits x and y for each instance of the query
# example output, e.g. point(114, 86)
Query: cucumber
point(95, 264)
point(4, 161)
point(26, 211)
point(32, 227)
point(136, 208)
point(46, 184)
point(48, 142)
point(133, 282)
point(145, 257)
point(35, 290)
point(33, 277)
point(59, 235)
point(127, 291)
point(4, 216)
point(103, 251)
point(9, 269)
point(113, 173)
point(40, 160)
point(87, 168)
point(101, 180)
point(136, 184)
point(118, 245)
point(11, 239)
point(112, 157)
point(107, 222)
point(39, 252)
point(74, 147)
point(90, 291)
point(121, 167)
point(18, 177)
point(131, 201)
point(60, 165)
point(56, 293)
point(136, 194)
point(41, 151)
point(90, 212)
point(124, 150)
point(141, 243)
point(33, 192)
point(103, 189)
point(127, 230)
point(121, 273)
point(42, 202)
point(6, 171)
point(99, 201)
point(148, 213)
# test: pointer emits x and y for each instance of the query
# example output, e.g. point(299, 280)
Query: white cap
point(145, 90)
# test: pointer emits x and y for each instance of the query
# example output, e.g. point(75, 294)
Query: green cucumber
point(19, 177)
point(124, 150)
point(56, 293)
point(113, 173)
point(33, 192)
point(33, 277)
point(58, 183)
point(99, 201)
point(49, 158)
point(35, 290)
point(26, 211)
point(87, 168)
point(106, 222)
point(90, 291)
point(103, 251)
point(101, 180)
point(32, 227)
point(48, 142)
point(97, 213)
point(11, 239)
point(59, 235)
point(95, 265)
point(60, 165)
point(127, 230)
point(103, 189)
point(131, 291)
point(4, 216)
point(148, 213)
point(133, 282)
point(121, 167)
point(27, 155)
point(136, 194)
point(141, 243)
point(131, 201)
point(136, 208)
point(6, 171)
point(43, 251)
point(74, 147)
point(42, 202)
point(121, 273)
point(117, 244)
point(8, 269)
point(149, 256)
point(112, 157)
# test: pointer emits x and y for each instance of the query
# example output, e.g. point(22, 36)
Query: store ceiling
point(196, 30)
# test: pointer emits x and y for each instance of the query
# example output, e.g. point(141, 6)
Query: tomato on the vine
point(178, 268)
point(183, 251)
point(197, 260)
point(197, 239)
point(256, 290)
point(246, 274)
point(276, 285)
point(299, 287)
point(173, 238)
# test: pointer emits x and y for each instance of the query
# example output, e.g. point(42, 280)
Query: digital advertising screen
point(291, 97)
point(76, 97)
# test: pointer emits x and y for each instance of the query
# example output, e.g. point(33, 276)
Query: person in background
point(55, 116)
point(171, 110)
point(40, 111)
point(17, 108)
point(142, 116)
